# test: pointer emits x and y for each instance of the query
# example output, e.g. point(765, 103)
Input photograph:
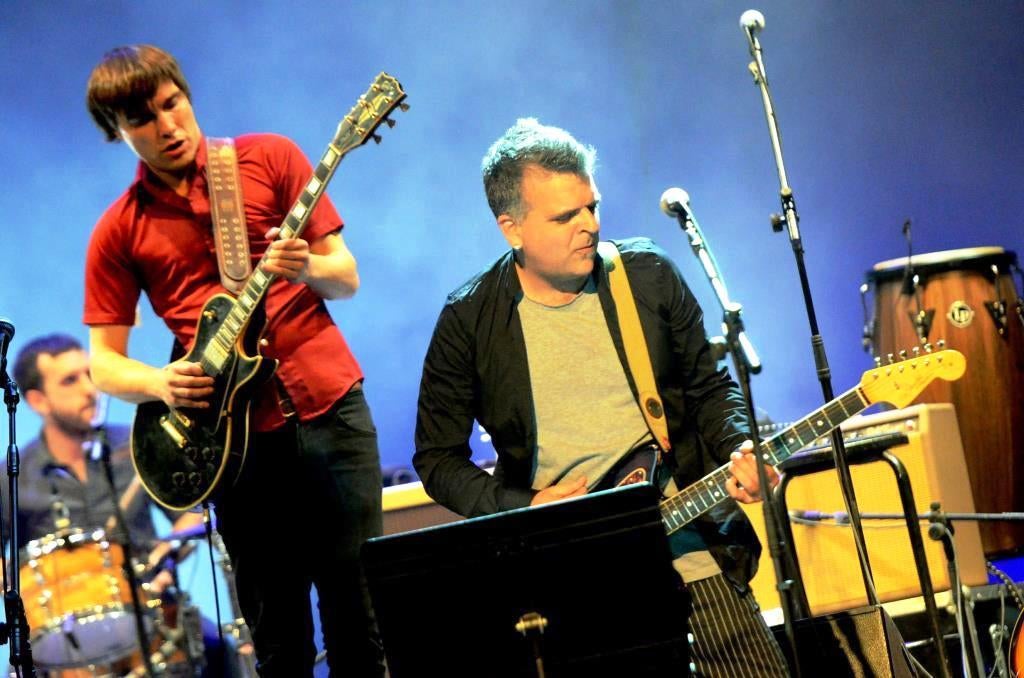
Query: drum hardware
point(922, 321)
point(997, 308)
point(1014, 268)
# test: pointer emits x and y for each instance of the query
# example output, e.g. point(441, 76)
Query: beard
point(77, 424)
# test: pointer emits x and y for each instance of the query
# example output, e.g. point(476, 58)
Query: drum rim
point(941, 257)
point(109, 611)
point(70, 537)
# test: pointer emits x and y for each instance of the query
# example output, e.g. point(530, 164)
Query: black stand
point(746, 362)
point(752, 22)
point(870, 450)
point(593, 573)
point(16, 629)
point(940, 528)
point(100, 439)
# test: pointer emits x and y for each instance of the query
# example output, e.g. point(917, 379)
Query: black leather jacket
point(476, 368)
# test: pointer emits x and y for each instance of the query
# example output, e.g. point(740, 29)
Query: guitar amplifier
point(407, 507)
point(934, 459)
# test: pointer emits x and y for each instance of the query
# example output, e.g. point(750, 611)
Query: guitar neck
point(217, 351)
point(371, 110)
point(686, 506)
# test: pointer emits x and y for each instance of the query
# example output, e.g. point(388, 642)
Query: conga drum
point(968, 298)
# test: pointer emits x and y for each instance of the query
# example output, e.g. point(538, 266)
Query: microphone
point(98, 436)
point(6, 334)
point(675, 202)
point(58, 509)
point(752, 21)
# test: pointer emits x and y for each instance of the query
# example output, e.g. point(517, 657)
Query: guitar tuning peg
point(927, 347)
point(917, 351)
point(941, 344)
point(903, 355)
point(404, 106)
point(376, 138)
point(878, 361)
point(890, 357)
point(389, 122)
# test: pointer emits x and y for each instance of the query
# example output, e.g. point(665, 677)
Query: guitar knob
point(194, 479)
point(178, 478)
point(192, 453)
point(206, 453)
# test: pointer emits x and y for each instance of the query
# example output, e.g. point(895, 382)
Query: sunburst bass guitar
point(185, 457)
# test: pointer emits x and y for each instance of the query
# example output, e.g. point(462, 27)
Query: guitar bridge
point(171, 430)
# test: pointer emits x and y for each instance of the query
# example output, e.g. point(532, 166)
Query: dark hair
point(124, 82)
point(26, 366)
point(530, 143)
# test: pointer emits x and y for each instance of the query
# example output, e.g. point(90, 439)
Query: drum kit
point(79, 608)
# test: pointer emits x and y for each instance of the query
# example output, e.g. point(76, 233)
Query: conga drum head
point(967, 298)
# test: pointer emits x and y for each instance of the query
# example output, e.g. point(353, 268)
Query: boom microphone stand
point(16, 628)
point(752, 22)
point(675, 202)
point(99, 449)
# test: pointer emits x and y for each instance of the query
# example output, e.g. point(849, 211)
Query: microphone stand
point(16, 628)
point(791, 220)
point(747, 362)
point(100, 442)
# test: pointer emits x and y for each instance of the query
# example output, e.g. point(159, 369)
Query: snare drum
point(957, 298)
point(77, 600)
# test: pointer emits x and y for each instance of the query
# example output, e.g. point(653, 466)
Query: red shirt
point(152, 239)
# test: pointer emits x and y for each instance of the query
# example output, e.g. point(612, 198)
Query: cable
point(208, 524)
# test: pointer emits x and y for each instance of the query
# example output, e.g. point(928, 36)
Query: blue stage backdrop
point(888, 111)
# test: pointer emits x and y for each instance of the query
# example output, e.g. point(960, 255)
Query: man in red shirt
point(312, 461)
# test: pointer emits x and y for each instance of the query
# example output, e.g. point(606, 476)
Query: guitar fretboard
point(384, 95)
point(686, 506)
point(221, 345)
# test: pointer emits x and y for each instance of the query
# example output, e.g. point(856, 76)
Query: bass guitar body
point(185, 457)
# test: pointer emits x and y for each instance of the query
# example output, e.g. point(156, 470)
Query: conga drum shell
point(989, 398)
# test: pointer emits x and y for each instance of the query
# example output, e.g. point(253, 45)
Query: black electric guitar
point(186, 456)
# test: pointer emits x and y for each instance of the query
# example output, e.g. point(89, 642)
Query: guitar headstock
point(369, 113)
point(899, 382)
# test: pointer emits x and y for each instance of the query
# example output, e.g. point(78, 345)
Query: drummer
point(62, 486)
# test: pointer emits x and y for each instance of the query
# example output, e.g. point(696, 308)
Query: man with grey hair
point(532, 349)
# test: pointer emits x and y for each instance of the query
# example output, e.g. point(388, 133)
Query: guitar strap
point(227, 213)
point(637, 356)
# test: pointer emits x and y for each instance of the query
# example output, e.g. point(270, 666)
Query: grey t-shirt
point(587, 417)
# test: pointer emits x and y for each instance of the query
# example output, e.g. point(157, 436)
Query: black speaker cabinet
point(860, 643)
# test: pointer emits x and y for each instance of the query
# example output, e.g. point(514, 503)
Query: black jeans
point(308, 496)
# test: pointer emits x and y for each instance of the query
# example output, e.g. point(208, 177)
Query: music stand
point(598, 569)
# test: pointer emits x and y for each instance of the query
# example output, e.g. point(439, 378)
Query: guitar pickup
point(183, 419)
point(171, 430)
